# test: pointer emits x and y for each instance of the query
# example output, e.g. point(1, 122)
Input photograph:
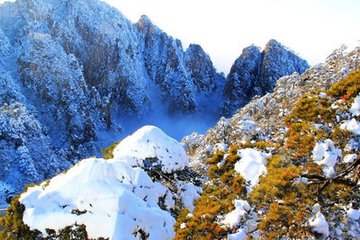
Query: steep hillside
point(76, 76)
point(263, 118)
point(73, 72)
point(287, 164)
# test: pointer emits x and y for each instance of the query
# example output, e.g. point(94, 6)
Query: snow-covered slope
point(309, 125)
point(263, 118)
point(74, 75)
point(113, 198)
point(255, 73)
point(151, 148)
point(107, 196)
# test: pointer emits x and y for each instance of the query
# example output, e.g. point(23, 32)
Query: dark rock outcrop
point(255, 73)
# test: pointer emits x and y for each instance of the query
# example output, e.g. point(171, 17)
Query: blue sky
point(223, 28)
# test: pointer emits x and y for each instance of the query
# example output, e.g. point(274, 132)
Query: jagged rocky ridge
point(255, 73)
point(72, 71)
point(263, 118)
point(310, 125)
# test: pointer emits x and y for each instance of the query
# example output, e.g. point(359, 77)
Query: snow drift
point(114, 198)
point(151, 147)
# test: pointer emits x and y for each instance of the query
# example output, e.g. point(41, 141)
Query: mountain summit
point(255, 73)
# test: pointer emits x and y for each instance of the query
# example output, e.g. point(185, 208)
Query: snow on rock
point(255, 72)
point(353, 214)
point(242, 220)
point(240, 234)
point(251, 165)
point(352, 126)
point(192, 141)
point(116, 198)
point(150, 147)
point(349, 158)
point(352, 221)
point(247, 126)
point(182, 225)
point(233, 218)
point(189, 194)
point(110, 197)
point(318, 222)
point(327, 154)
point(355, 107)
point(323, 95)
point(221, 146)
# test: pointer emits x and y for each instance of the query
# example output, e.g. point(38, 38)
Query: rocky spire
point(255, 73)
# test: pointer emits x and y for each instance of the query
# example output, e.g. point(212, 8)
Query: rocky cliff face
point(183, 77)
point(73, 72)
point(262, 119)
point(255, 73)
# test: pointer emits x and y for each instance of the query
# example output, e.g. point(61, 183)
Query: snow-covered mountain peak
point(144, 21)
point(273, 43)
point(255, 73)
point(151, 147)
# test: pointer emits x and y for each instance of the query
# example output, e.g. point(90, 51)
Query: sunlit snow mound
point(115, 198)
point(251, 166)
point(151, 147)
point(112, 199)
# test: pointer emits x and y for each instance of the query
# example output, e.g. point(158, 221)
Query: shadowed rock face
point(183, 77)
point(255, 73)
point(244, 74)
point(201, 69)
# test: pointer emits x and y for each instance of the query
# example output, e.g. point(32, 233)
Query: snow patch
point(150, 147)
point(189, 194)
point(221, 146)
point(349, 158)
point(110, 197)
point(352, 126)
point(327, 154)
point(251, 166)
point(318, 222)
point(322, 95)
point(355, 107)
point(240, 212)
point(247, 126)
point(353, 214)
point(240, 234)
